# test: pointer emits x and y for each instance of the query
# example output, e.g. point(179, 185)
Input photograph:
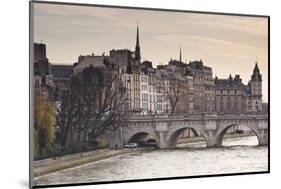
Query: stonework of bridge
point(165, 130)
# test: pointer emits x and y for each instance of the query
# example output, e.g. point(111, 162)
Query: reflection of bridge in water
point(165, 130)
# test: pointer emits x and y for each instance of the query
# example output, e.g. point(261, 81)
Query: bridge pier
point(162, 141)
point(212, 142)
point(114, 139)
point(211, 139)
point(161, 129)
point(263, 138)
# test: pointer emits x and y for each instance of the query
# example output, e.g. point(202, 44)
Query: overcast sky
point(228, 44)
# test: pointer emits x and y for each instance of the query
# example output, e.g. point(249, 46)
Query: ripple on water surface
point(168, 163)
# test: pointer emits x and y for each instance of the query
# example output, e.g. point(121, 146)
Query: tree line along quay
point(76, 105)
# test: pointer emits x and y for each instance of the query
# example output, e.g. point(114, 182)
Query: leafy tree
point(44, 125)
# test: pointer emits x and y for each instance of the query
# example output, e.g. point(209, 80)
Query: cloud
point(222, 41)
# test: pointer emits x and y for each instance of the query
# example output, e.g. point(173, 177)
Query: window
point(159, 98)
point(126, 105)
point(159, 107)
point(143, 79)
point(144, 106)
point(144, 87)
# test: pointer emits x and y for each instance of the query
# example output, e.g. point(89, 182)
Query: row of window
point(228, 92)
point(158, 107)
point(256, 108)
point(249, 102)
point(144, 79)
point(151, 98)
point(234, 98)
point(136, 78)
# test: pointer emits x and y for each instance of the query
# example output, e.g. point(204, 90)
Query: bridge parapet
point(196, 118)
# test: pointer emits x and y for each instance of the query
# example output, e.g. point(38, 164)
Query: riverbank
point(43, 167)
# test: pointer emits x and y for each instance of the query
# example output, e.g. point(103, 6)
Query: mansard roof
point(198, 65)
point(61, 70)
point(230, 82)
point(177, 63)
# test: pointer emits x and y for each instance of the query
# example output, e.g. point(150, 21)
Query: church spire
point(137, 49)
point(180, 53)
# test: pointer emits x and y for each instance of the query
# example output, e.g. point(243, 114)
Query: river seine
point(237, 156)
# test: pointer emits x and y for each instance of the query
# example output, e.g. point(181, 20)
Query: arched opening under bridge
point(143, 139)
point(187, 137)
point(238, 135)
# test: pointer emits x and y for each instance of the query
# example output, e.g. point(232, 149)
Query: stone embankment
point(50, 165)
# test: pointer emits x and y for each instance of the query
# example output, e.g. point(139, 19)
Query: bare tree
point(175, 92)
point(68, 110)
point(104, 96)
point(92, 105)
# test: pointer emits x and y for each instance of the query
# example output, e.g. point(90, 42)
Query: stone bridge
point(165, 130)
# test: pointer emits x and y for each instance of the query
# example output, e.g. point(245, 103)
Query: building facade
point(43, 80)
point(41, 62)
point(233, 97)
point(204, 87)
point(230, 95)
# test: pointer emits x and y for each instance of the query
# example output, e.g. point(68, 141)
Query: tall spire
point(256, 69)
point(137, 49)
point(256, 73)
point(180, 53)
point(137, 44)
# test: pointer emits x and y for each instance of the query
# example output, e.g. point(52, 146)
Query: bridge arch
point(222, 131)
point(174, 135)
point(141, 136)
point(138, 137)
